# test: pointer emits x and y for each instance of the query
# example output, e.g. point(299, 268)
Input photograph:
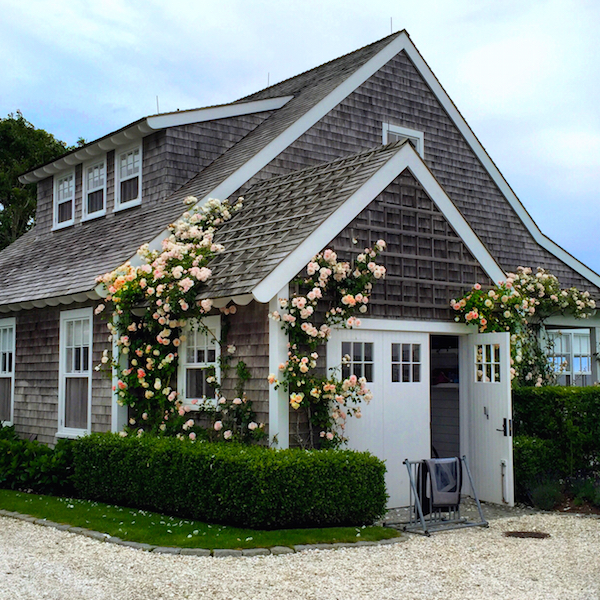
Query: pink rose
point(218, 425)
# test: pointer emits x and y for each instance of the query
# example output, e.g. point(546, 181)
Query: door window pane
point(357, 359)
point(406, 363)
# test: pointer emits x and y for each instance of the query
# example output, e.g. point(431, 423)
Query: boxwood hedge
point(246, 486)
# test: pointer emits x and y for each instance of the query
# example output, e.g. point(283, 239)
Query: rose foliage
point(521, 305)
point(151, 304)
point(336, 292)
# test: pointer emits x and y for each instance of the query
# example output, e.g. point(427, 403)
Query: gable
point(427, 262)
point(398, 94)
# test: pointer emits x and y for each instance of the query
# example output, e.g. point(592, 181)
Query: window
point(357, 359)
point(64, 200)
point(94, 189)
point(406, 363)
point(569, 353)
point(395, 133)
point(487, 363)
point(7, 369)
point(128, 167)
point(75, 364)
point(199, 361)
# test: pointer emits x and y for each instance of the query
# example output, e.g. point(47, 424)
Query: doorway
point(445, 414)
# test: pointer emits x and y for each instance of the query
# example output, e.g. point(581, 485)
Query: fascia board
point(213, 113)
point(492, 169)
point(406, 157)
point(293, 132)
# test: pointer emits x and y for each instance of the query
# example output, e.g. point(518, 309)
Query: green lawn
point(161, 530)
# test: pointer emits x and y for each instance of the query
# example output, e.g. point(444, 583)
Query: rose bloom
point(218, 425)
point(227, 434)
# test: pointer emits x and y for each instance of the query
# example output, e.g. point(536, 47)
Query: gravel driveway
point(40, 562)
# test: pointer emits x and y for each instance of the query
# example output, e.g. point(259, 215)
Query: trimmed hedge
point(33, 466)
point(567, 419)
point(245, 486)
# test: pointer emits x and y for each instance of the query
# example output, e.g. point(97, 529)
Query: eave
point(137, 130)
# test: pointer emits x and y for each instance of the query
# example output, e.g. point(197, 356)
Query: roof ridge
point(325, 64)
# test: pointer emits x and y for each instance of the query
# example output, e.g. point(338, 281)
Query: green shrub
point(565, 416)
point(8, 433)
point(248, 486)
point(33, 466)
point(547, 495)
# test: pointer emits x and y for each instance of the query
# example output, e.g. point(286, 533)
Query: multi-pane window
point(75, 370)
point(64, 199)
point(94, 179)
point(487, 363)
point(357, 359)
point(129, 171)
point(569, 353)
point(200, 360)
point(7, 368)
point(406, 363)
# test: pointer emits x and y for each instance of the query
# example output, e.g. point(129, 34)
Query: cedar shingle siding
point(427, 263)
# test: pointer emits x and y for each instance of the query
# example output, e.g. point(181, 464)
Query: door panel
point(489, 415)
point(395, 425)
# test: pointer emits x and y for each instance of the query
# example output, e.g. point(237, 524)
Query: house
point(364, 147)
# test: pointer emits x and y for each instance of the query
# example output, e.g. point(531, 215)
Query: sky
point(525, 74)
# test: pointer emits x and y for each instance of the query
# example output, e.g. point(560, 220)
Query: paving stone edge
point(217, 552)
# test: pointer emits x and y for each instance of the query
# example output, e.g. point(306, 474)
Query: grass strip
point(161, 530)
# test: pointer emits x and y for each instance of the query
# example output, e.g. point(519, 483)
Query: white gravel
point(40, 562)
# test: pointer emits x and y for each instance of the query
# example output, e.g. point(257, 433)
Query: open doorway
point(445, 428)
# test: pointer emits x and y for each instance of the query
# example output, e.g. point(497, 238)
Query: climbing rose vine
point(151, 305)
point(334, 292)
point(520, 305)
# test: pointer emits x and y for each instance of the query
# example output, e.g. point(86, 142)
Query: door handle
point(505, 427)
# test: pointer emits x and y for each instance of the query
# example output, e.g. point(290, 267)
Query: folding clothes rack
point(430, 509)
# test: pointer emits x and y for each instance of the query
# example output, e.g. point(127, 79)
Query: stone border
point(217, 552)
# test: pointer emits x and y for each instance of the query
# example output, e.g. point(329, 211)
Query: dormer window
point(395, 133)
point(94, 190)
point(64, 199)
point(129, 177)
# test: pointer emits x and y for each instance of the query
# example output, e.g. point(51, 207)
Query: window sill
point(63, 225)
point(96, 215)
point(71, 433)
point(131, 204)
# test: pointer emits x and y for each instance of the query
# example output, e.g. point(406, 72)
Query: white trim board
point(405, 157)
point(492, 169)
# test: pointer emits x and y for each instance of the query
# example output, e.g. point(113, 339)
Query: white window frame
point(86, 216)
point(118, 180)
point(415, 136)
point(57, 180)
point(569, 373)
point(9, 324)
point(214, 324)
point(66, 316)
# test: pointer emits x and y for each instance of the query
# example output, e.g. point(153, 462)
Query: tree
point(22, 147)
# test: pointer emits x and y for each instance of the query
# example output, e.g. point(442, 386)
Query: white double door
point(396, 423)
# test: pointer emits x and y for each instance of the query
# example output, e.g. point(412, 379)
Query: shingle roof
point(280, 213)
point(67, 261)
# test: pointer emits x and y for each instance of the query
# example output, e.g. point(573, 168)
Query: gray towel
point(445, 481)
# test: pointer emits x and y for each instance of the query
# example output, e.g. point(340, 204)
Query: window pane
point(129, 190)
point(5, 392)
point(194, 386)
point(76, 402)
point(416, 373)
point(369, 372)
point(395, 352)
point(357, 369)
point(346, 349)
point(345, 371)
point(405, 352)
point(95, 202)
point(416, 353)
point(396, 373)
point(200, 356)
point(65, 211)
point(368, 352)
point(357, 351)
point(405, 373)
